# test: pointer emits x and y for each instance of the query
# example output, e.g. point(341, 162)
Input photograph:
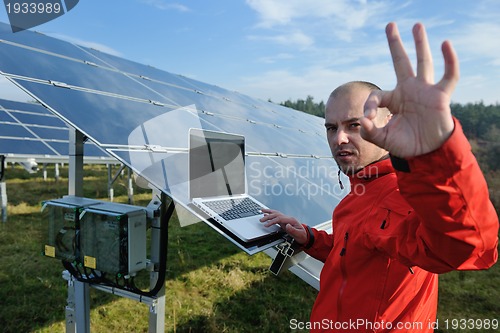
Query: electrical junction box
point(113, 238)
point(60, 241)
point(100, 235)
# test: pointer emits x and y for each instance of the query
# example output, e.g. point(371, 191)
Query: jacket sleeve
point(454, 224)
point(322, 245)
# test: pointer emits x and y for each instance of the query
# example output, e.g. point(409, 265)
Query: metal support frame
point(56, 171)
point(157, 311)
point(78, 305)
point(78, 301)
point(45, 172)
point(3, 190)
point(3, 199)
point(112, 179)
point(75, 172)
point(130, 187)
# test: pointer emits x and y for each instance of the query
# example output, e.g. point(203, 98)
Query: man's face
point(343, 112)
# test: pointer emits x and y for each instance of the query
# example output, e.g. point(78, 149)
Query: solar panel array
point(29, 130)
point(142, 115)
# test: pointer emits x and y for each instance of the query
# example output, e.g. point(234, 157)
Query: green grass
point(211, 286)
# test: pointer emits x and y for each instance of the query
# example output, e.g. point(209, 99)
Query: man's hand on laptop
point(288, 223)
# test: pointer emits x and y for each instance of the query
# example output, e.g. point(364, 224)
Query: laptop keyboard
point(231, 209)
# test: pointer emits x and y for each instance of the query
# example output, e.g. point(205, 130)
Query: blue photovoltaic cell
point(140, 70)
point(15, 130)
point(126, 115)
point(105, 119)
point(48, 120)
point(30, 129)
point(37, 40)
point(53, 133)
point(25, 107)
point(169, 81)
point(24, 147)
point(4, 117)
point(142, 116)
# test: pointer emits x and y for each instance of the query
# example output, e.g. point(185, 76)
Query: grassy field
point(211, 285)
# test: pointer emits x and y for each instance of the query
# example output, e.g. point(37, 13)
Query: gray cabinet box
point(113, 238)
point(63, 216)
point(104, 236)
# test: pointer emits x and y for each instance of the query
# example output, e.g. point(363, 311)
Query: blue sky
point(281, 49)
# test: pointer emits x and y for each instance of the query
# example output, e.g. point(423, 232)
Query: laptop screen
point(216, 164)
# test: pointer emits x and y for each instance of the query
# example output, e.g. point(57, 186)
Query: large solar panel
point(142, 116)
point(29, 130)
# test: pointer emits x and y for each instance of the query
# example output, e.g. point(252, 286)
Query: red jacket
point(393, 231)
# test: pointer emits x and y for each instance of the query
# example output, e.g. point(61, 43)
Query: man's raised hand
point(421, 120)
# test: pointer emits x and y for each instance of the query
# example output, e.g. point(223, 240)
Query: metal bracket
point(70, 303)
point(59, 84)
point(153, 307)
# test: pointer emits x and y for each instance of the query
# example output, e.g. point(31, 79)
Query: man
point(421, 204)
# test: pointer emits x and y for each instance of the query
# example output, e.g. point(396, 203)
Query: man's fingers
point(451, 69)
point(268, 215)
point(377, 99)
point(270, 220)
point(271, 217)
point(370, 132)
point(287, 223)
point(425, 68)
point(373, 102)
point(402, 65)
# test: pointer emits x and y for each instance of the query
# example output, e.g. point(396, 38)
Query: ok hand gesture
point(421, 120)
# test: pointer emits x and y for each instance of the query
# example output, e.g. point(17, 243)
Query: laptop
point(217, 184)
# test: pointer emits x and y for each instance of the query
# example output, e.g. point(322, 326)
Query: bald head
point(353, 84)
point(355, 87)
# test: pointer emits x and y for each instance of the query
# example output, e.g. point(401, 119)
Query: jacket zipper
point(386, 220)
point(343, 272)
point(346, 237)
point(382, 226)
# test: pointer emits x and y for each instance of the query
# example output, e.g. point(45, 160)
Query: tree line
point(480, 122)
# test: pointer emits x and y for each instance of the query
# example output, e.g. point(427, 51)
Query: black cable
point(72, 270)
point(162, 270)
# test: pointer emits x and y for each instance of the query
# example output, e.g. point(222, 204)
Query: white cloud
point(276, 58)
point(475, 88)
point(280, 85)
point(344, 40)
point(280, 12)
point(163, 5)
point(479, 39)
point(89, 44)
point(296, 38)
point(346, 13)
